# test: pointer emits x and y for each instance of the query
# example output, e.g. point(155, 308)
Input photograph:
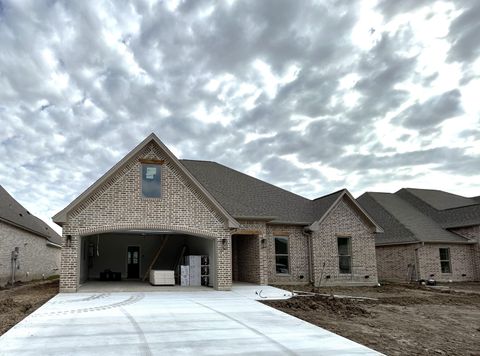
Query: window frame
point(159, 167)
point(275, 254)
point(448, 260)
point(350, 254)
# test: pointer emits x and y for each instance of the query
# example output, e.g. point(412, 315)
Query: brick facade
point(397, 263)
point(344, 221)
point(35, 260)
point(461, 260)
point(394, 262)
point(472, 232)
point(118, 205)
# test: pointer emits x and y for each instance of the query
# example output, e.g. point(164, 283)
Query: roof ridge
point(324, 196)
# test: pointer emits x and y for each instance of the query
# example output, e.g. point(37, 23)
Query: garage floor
point(179, 323)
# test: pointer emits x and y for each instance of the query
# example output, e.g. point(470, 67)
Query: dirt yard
point(17, 303)
point(406, 319)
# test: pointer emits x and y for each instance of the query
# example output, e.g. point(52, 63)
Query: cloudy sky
point(311, 96)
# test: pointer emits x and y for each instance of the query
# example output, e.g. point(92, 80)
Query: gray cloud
point(426, 117)
point(463, 33)
point(82, 83)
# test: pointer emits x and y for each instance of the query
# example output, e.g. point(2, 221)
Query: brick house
point(34, 244)
point(427, 234)
point(252, 231)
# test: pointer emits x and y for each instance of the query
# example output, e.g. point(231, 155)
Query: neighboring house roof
point(403, 222)
point(441, 200)
point(246, 197)
point(428, 202)
point(394, 231)
point(12, 212)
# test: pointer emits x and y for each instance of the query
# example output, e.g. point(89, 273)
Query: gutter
point(280, 222)
point(25, 228)
point(53, 244)
point(471, 242)
point(257, 218)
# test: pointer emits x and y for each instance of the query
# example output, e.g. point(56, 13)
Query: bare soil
point(406, 319)
point(18, 302)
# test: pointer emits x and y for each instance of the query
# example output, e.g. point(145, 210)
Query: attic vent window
point(151, 179)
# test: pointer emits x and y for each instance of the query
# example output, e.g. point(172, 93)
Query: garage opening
point(149, 257)
point(246, 258)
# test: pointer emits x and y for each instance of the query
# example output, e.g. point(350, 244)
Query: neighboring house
point(35, 245)
point(150, 202)
point(428, 234)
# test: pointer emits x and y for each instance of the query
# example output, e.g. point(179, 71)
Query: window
point(344, 254)
point(151, 180)
point(281, 255)
point(445, 260)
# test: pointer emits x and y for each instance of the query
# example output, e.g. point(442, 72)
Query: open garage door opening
point(150, 257)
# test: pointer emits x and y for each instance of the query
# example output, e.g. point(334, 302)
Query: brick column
point(224, 263)
point(69, 263)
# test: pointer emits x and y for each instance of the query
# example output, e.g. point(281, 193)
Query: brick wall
point(461, 257)
point(395, 263)
point(344, 221)
point(298, 254)
point(257, 249)
point(36, 260)
point(118, 205)
point(246, 258)
point(472, 232)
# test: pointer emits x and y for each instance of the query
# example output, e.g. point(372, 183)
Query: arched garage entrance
point(130, 255)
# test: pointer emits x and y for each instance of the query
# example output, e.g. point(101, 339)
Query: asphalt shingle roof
point(441, 200)
point(394, 231)
point(245, 196)
point(458, 216)
point(403, 222)
point(13, 212)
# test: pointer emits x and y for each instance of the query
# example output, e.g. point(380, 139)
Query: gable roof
point(12, 212)
point(246, 197)
point(441, 200)
point(456, 215)
point(61, 216)
point(403, 223)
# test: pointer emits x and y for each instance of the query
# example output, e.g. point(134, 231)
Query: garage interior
point(130, 255)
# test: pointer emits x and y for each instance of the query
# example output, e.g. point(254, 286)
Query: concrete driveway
point(170, 323)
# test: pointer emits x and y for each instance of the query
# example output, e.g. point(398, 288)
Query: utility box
point(198, 273)
point(184, 276)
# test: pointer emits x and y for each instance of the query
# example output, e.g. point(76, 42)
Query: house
point(28, 246)
point(151, 204)
point(427, 234)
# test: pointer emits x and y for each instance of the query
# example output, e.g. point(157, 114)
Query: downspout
point(417, 271)
point(308, 234)
point(14, 264)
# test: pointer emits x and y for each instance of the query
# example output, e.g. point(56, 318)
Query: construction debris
point(299, 293)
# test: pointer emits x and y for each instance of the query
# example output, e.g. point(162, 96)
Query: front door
point(133, 262)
